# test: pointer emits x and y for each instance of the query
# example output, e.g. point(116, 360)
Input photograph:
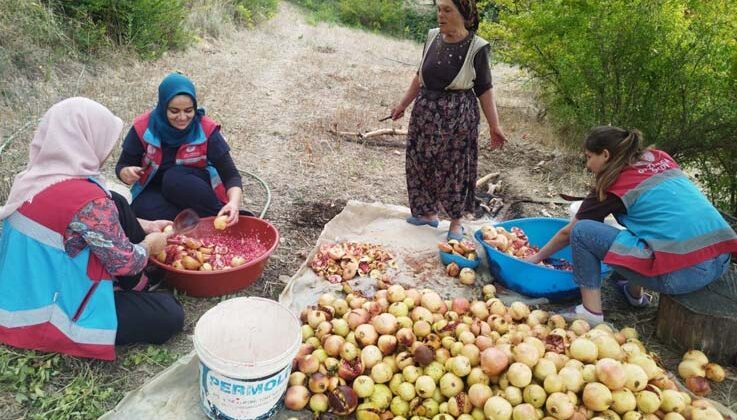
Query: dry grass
point(211, 18)
point(277, 90)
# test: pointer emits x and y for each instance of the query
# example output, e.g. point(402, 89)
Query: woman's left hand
point(498, 138)
point(231, 210)
point(150, 226)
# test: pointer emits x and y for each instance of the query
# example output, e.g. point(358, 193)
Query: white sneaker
point(579, 312)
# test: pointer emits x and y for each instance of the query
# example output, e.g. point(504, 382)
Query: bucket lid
point(247, 337)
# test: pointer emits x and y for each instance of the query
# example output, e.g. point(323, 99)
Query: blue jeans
point(590, 241)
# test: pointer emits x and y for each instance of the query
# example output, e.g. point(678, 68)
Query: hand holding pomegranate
point(230, 210)
point(155, 242)
point(150, 226)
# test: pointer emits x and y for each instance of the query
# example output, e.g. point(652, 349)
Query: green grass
point(52, 386)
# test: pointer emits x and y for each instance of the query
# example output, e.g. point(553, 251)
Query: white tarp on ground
point(174, 393)
point(415, 249)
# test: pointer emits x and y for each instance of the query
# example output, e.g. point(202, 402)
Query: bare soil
point(277, 90)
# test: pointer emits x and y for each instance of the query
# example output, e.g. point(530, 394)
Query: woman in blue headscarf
point(174, 157)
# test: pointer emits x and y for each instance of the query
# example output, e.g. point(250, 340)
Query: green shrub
point(32, 41)
point(667, 67)
point(377, 15)
point(418, 22)
point(392, 17)
point(150, 27)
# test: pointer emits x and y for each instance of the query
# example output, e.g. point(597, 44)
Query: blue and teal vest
point(193, 154)
point(50, 301)
point(669, 223)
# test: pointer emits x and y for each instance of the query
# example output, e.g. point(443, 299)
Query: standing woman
point(442, 148)
point(174, 157)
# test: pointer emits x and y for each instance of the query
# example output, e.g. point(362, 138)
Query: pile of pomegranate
point(408, 353)
point(339, 262)
point(212, 253)
point(515, 243)
point(463, 249)
point(697, 371)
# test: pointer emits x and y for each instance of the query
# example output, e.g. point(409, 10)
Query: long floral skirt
point(442, 153)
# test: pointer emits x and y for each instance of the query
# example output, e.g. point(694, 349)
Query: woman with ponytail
point(674, 240)
point(442, 139)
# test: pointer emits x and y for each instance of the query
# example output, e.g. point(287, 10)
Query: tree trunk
point(704, 320)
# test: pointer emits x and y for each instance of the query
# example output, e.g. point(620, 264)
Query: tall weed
point(215, 18)
point(31, 37)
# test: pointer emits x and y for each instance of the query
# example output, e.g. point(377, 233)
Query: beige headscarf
point(74, 138)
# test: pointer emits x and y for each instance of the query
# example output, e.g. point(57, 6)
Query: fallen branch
point(400, 62)
point(486, 178)
point(375, 133)
point(531, 201)
point(362, 137)
point(494, 188)
point(14, 135)
point(504, 208)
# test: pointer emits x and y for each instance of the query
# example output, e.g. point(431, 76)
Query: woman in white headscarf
point(69, 246)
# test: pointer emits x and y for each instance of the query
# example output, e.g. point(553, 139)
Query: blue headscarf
point(174, 84)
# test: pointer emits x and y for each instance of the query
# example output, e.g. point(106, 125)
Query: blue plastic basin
point(533, 279)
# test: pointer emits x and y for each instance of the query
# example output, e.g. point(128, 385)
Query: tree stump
point(705, 320)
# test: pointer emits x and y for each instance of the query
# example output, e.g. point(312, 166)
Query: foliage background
point(667, 67)
point(39, 37)
point(394, 17)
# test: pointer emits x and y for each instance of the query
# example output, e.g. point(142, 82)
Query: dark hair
point(470, 14)
point(625, 148)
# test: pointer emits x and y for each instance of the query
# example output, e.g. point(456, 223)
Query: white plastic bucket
point(245, 346)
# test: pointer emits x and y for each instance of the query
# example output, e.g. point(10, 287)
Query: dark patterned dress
point(442, 139)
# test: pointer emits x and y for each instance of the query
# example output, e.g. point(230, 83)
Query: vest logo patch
point(648, 156)
point(190, 149)
point(150, 150)
point(649, 163)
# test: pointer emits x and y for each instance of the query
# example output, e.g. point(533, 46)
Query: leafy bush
point(150, 27)
point(393, 17)
point(667, 67)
